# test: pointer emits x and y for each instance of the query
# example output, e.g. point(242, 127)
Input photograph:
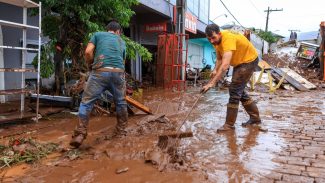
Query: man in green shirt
point(105, 53)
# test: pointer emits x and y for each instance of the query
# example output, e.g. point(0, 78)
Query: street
point(291, 150)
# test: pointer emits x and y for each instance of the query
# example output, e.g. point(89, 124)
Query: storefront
point(154, 17)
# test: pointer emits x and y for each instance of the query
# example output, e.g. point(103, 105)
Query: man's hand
point(206, 87)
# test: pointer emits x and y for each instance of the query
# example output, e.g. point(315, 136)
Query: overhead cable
point(231, 14)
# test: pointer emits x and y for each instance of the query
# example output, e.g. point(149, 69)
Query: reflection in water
point(237, 171)
point(244, 155)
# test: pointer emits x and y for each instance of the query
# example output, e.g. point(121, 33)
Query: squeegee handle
point(188, 114)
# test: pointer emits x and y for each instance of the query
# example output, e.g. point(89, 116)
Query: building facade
point(154, 17)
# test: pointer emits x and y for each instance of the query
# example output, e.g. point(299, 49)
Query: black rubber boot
point(252, 110)
point(232, 111)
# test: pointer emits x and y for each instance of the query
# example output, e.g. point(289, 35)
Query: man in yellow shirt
point(233, 49)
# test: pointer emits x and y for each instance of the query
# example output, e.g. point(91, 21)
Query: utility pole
point(181, 9)
point(267, 17)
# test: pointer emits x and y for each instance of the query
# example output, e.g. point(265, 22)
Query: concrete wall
point(258, 44)
point(209, 55)
point(12, 37)
point(161, 6)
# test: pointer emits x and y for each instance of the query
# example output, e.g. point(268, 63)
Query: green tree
point(267, 36)
point(72, 22)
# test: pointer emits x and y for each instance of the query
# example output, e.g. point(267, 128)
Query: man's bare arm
point(218, 63)
point(89, 53)
point(222, 68)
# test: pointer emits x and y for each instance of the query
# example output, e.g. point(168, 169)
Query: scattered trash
point(72, 154)
point(122, 170)
point(25, 150)
point(74, 113)
point(262, 129)
point(38, 117)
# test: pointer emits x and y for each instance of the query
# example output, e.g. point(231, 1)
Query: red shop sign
point(190, 22)
point(155, 27)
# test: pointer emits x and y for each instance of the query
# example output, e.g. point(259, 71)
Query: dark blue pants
point(98, 82)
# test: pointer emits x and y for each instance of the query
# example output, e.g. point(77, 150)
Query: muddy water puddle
point(245, 155)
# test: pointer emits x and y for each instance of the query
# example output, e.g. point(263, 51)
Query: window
point(30, 54)
point(204, 11)
point(196, 8)
point(193, 6)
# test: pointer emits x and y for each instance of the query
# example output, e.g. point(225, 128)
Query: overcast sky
point(304, 15)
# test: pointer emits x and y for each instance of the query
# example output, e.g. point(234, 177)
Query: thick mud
point(244, 155)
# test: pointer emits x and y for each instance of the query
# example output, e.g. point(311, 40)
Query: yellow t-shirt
point(243, 51)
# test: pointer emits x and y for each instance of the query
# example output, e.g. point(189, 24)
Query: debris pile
point(299, 65)
point(170, 160)
point(294, 71)
point(24, 150)
point(153, 123)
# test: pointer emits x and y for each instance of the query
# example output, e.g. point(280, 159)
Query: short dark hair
point(212, 28)
point(113, 25)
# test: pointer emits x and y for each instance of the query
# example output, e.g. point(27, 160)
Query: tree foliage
point(72, 22)
point(267, 36)
point(47, 66)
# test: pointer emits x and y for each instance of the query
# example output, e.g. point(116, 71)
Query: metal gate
point(172, 61)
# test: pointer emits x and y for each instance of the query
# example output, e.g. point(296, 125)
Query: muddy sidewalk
point(291, 151)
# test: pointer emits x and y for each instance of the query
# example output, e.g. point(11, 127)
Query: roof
point(227, 26)
point(308, 36)
point(309, 44)
point(21, 3)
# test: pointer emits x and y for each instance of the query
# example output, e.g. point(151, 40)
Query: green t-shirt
point(110, 49)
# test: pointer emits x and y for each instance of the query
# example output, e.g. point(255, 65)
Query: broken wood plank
point(277, 77)
point(16, 70)
point(14, 91)
point(178, 135)
point(15, 117)
point(287, 43)
point(299, 78)
point(138, 105)
point(263, 64)
point(290, 79)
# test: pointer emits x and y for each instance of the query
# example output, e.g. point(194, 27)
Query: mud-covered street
point(291, 150)
point(162, 91)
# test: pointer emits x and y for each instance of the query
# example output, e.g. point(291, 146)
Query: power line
point(231, 14)
point(256, 8)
